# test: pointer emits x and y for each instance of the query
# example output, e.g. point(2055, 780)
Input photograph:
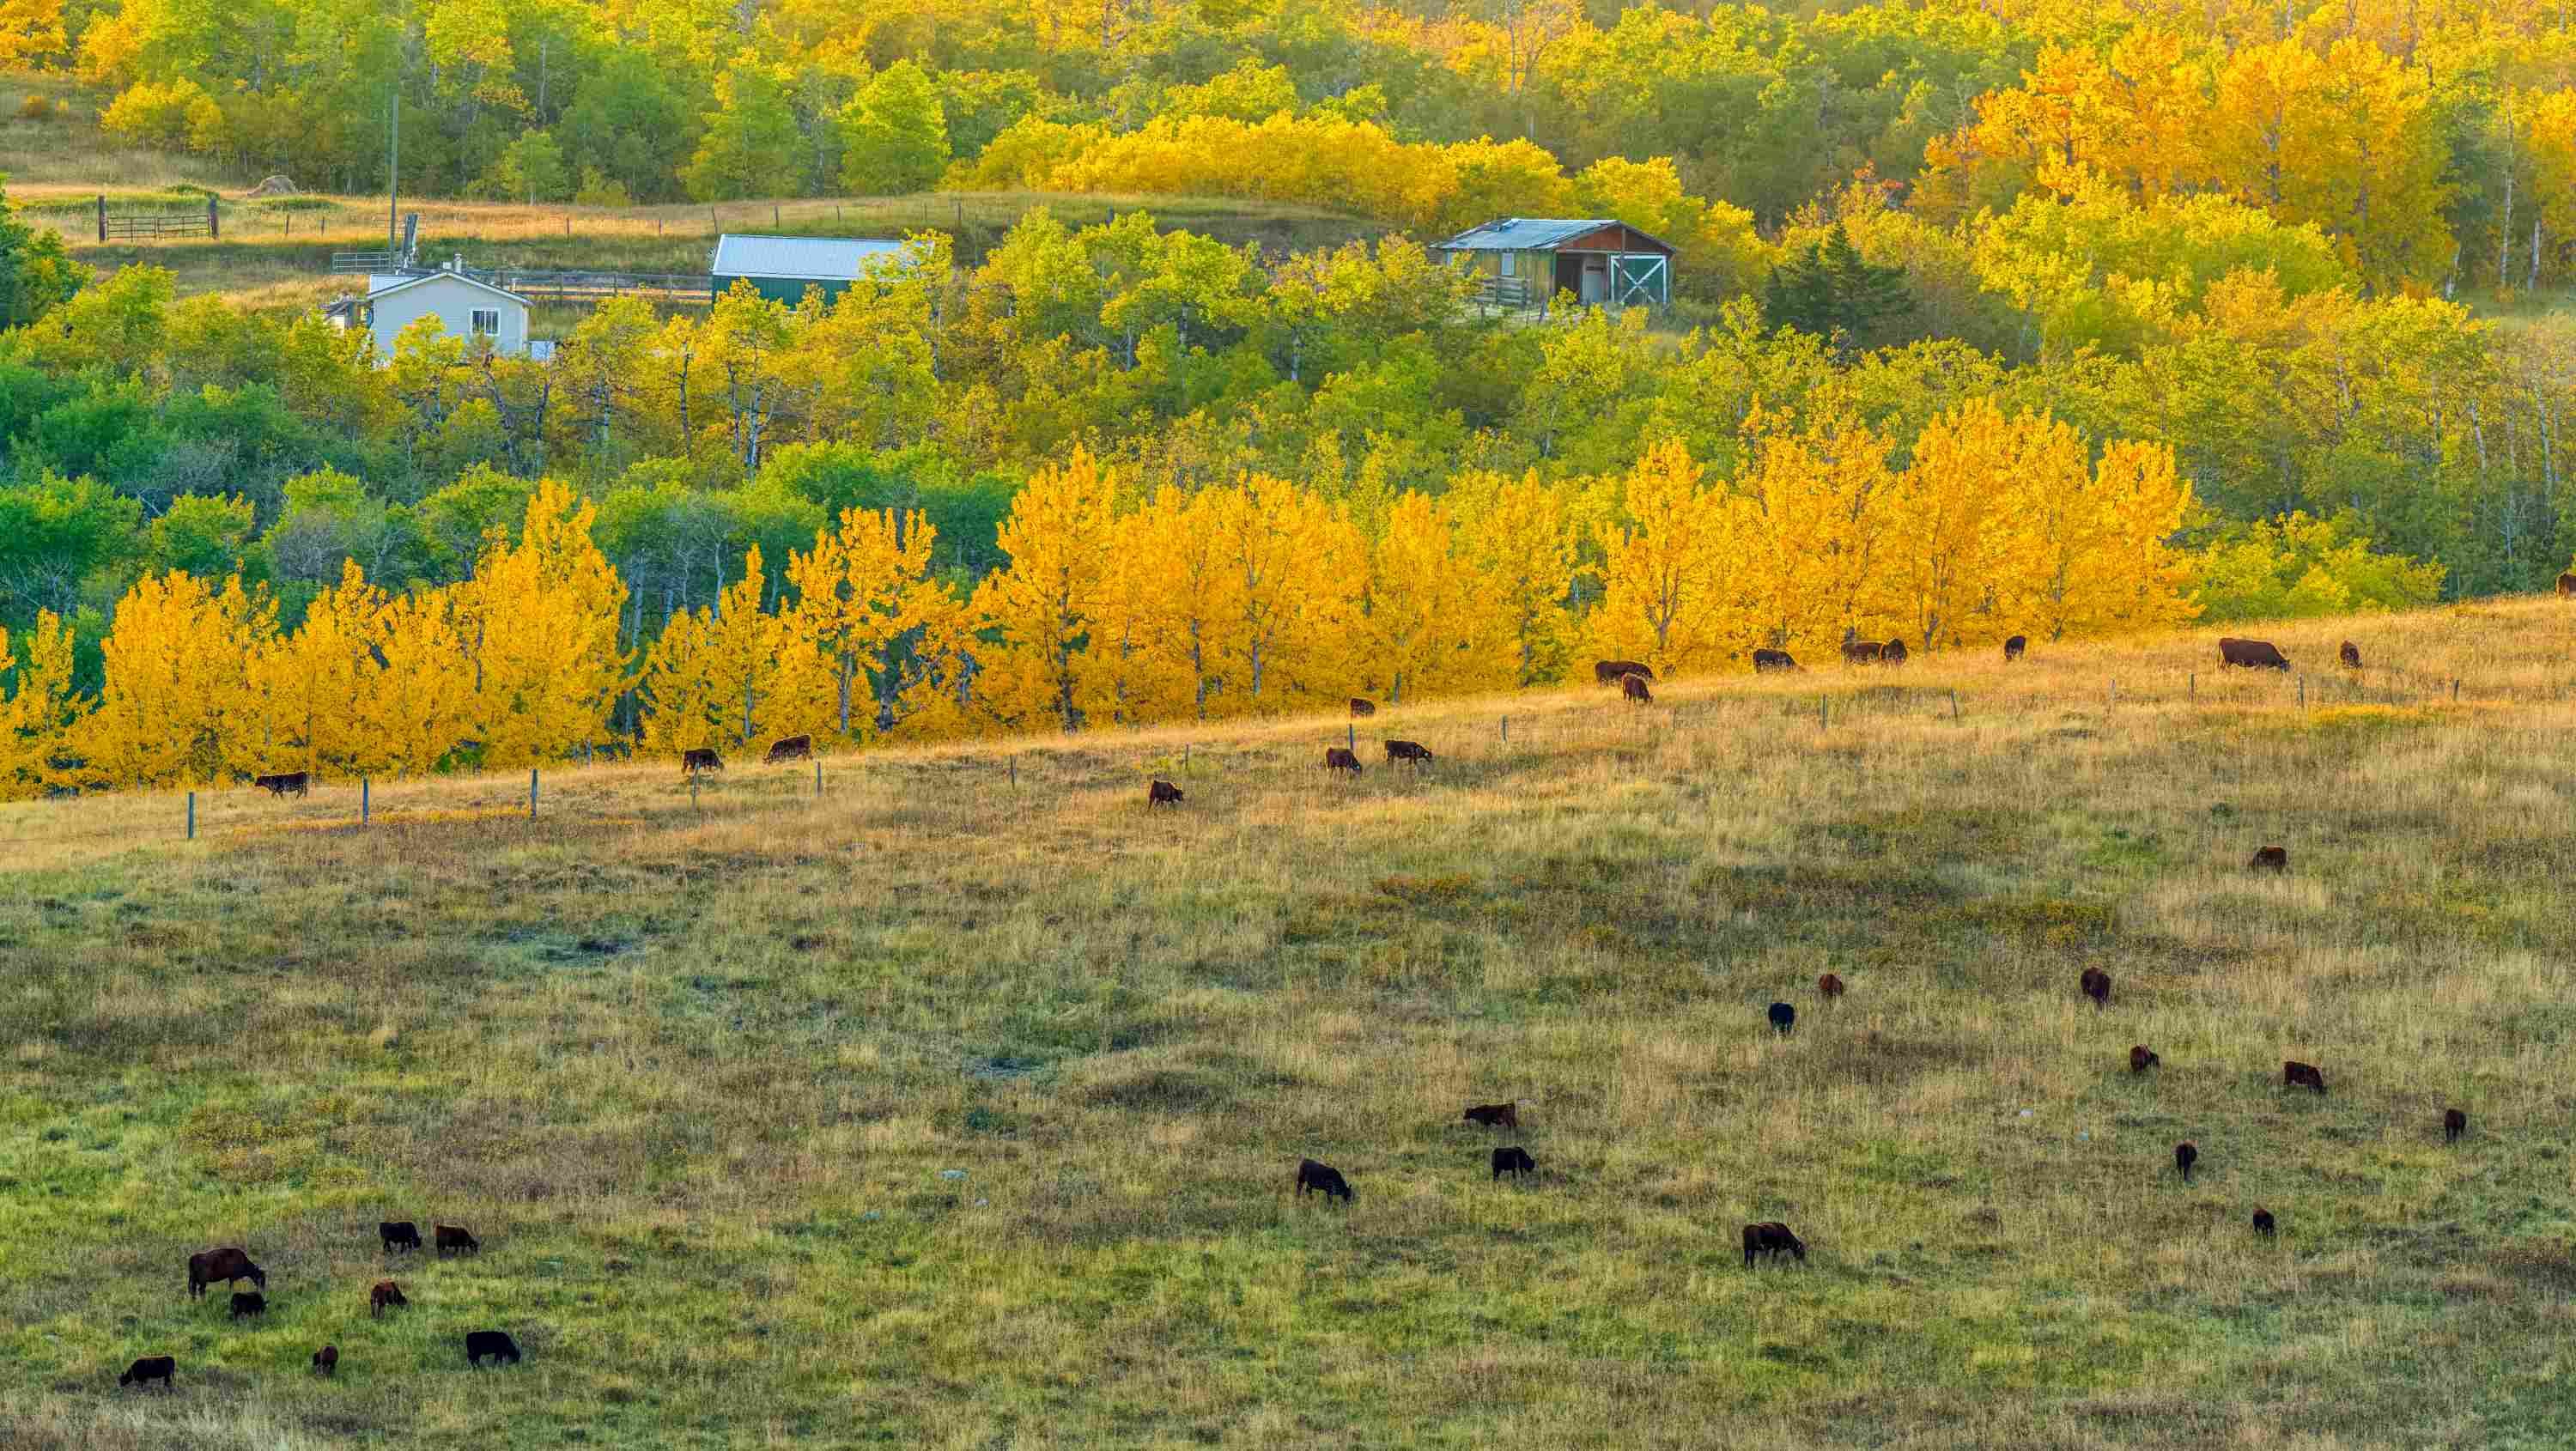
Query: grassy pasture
point(945, 1111)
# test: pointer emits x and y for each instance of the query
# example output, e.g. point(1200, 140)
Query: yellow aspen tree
point(859, 591)
point(734, 674)
point(39, 714)
point(312, 683)
point(421, 705)
point(1425, 634)
point(179, 705)
point(1298, 571)
point(542, 619)
point(679, 700)
point(1040, 609)
point(1176, 536)
point(1665, 600)
point(1947, 548)
point(1124, 674)
point(2137, 581)
point(1519, 549)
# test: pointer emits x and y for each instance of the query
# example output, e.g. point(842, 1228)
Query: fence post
point(532, 793)
point(773, 216)
point(2455, 690)
point(2303, 692)
point(818, 778)
point(2114, 696)
point(2191, 686)
point(1185, 758)
point(215, 220)
point(1351, 737)
point(1954, 702)
point(1015, 773)
point(192, 816)
point(1507, 730)
point(1823, 720)
point(102, 216)
point(362, 800)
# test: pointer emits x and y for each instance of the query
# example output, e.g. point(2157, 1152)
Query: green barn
point(781, 268)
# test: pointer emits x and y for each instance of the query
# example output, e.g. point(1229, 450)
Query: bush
point(36, 108)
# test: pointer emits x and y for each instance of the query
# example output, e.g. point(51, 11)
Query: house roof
point(1532, 234)
point(798, 259)
point(425, 277)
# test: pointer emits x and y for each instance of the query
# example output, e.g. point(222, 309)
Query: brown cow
point(1633, 689)
point(2252, 655)
point(1892, 653)
point(150, 1368)
point(2264, 1224)
point(1340, 758)
point(2014, 646)
point(1162, 793)
point(2142, 1058)
point(2185, 1155)
point(2454, 1123)
point(1830, 986)
point(2567, 584)
point(1766, 661)
point(1861, 652)
point(2351, 654)
point(1496, 1115)
point(222, 1266)
point(1361, 707)
point(2270, 859)
point(2295, 1074)
point(326, 1361)
point(454, 1238)
point(791, 748)
point(298, 783)
point(385, 1293)
point(1608, 672)
point(700, 758)
point(1406, 751)
point(2097, 986)
point(1774, 1239)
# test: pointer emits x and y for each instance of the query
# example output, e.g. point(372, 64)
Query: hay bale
point(274, 186)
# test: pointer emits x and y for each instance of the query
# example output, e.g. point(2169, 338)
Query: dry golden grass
point(696, 1071)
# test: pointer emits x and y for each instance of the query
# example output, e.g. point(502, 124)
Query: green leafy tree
point(36, 273)
point(751, 145)
point(894, 134)
point(1830, 290)
point(529, 170)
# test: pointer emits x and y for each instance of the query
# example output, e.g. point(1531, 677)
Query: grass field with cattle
point(958, 1106)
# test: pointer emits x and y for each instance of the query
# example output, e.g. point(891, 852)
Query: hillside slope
point(959, 1105)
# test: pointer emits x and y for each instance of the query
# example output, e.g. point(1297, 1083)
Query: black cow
point(1341, 758)
point(791, 748)
point(1314, 1176)
point(453, 1239)
point(2097, 986)
point(1892, 653)
point(249, 1302)
point(1774, 1239)
point(326, 1361)
point(2186, 1155)
point(1496, 1115)
point(298, 783)
point(2269, 859)
point(1861, 652)
point(1783, 1017)
point(1361, 707)
point(2567, 584)
point(222, 1266)
point(494, 1343)
point(2251, 655)
point(2264, 1224)
point(1162, 793)
point(700, 758)
point(2142, 1058)
point(151, 1368)
point(1514, 1161)
point(2014, 646)
point(1632, 688)
point(2295, 1074)
point(1609, 672)
point(2454, 1123)
point(1766, 661)
point(398, 1234)
point(1407, 751)
point(2351, 655)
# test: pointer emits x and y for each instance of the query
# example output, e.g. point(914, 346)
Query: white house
point(464, 307)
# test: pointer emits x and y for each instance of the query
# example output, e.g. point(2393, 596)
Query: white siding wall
point(454, 301)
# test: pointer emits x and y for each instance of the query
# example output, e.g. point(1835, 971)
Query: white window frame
point(474, 322)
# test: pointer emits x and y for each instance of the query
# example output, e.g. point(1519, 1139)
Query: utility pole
point(393, 172)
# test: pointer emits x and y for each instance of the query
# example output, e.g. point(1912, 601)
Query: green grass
point(943, 1111)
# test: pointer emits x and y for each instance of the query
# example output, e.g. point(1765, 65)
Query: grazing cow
point(1783, 1017)
point(1772, 1238)
point(2454, 1123)
point(452, 1238)
point(1496, 1115)
point(2014, 646)
point(1766, 661)
point(494, 1343)
point(2185, 1156)
point(398, 1234)
point(299, 783)
point(2264, 1223)
point(2295, 1074)
point(1162, 793)
point(1633, 688)
point(2270, 859)
point(2351, 656)
point(1829, 986)
point(1340, 758)
point(1608, 672)
point(1361, 707)
point(326, 1361)
point(249, 1302)
point(1892, 653)
point(700, 758)
point(2142, 1058)
point(385, 1293)
point(1407, 751)
point(1861, 652)
point(1514, 1161)
point(2567, 584)
point(151, 1368)
point(222, 1266)
point(2097, 986)
point(791, 748)
point(2251, 655)
point(1311, 1175)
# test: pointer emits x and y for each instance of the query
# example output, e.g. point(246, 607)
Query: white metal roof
point(374, 292)
point(798, 259)
point(1532, 234)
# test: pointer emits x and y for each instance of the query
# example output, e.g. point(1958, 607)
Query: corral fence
point(156, 226)
point(544, 284)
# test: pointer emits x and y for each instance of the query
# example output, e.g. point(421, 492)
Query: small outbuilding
point(782, 268)
point(1525, 261)
point(465, 307)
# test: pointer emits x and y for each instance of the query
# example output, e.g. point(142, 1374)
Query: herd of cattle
point(232, 1264)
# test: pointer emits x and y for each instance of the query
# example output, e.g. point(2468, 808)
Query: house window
point(1511, 264)
point(487, 322)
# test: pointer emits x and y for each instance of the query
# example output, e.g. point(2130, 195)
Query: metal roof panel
point(798, 259)
point(1527, 234)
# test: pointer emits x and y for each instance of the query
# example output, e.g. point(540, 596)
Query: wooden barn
point(1525, 261)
